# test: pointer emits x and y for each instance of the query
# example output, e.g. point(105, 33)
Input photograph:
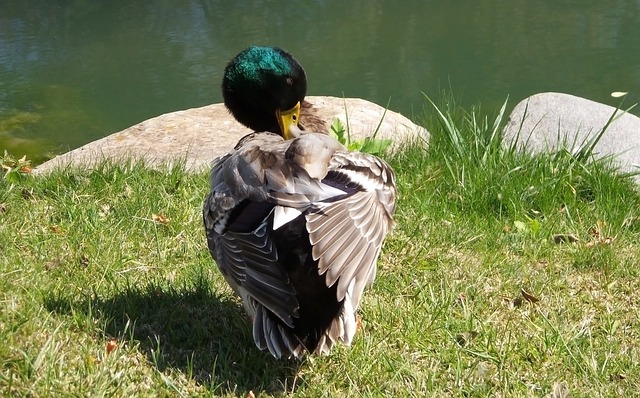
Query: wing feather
point(250, 260)
point(347, 234)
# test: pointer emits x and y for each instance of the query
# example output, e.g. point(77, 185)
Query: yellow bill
point(288, 118)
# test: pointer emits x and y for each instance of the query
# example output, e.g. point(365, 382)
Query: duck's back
point(296, 228)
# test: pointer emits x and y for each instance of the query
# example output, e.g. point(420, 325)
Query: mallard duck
point(294, 221)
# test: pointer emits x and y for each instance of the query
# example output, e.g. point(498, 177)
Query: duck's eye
point(294, 117)
point(289, 81)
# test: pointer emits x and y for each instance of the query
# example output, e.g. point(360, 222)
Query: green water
point(76, 70)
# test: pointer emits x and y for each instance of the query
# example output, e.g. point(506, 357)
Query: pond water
point(76, 70)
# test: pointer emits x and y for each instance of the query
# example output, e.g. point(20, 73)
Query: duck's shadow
point(204, 335)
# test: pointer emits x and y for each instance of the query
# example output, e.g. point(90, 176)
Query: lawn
point(507, 274)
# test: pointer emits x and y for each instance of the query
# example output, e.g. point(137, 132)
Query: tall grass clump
point(488, 178)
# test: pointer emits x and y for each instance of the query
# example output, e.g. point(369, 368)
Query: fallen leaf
point(599, 242)
point(27, 193)
point(49, 265)
point(465, 337)
point(26, 169)
point(540, 264)
point(84, 260)
point(596, 230)
point(112, 344)
point(250, 394)
point(565, 238)
point(529, 297)
point(160, 218)
point(55, 228)
point(461, 299)
point(3, 207)
point(617, 377)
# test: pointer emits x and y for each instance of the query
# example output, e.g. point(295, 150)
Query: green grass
point(473, 297)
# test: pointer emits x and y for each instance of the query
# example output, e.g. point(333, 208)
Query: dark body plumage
point(295, 225)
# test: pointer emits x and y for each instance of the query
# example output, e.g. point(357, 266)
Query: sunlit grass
point(107, 288)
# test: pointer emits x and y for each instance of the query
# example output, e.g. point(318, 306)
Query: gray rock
point(196, 136)
point(552, 121)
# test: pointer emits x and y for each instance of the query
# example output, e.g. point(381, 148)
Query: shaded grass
point(86, 253)
point(473, 296)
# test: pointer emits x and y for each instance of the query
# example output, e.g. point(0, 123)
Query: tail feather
point(342, 329)
point(269, 333)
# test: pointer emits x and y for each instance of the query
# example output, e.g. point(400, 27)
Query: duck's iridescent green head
point(261, 84)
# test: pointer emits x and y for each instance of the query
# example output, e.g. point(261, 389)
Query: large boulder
point(196, 136)
point(552, 121)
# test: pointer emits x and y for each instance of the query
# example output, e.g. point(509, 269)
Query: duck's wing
point(236, 218)
point(347, 232)
point(346, 229)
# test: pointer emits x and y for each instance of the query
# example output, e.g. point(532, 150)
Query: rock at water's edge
point(550, 121)
point(196, 136)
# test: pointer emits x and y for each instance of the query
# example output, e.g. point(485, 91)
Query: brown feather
point(309, 119)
